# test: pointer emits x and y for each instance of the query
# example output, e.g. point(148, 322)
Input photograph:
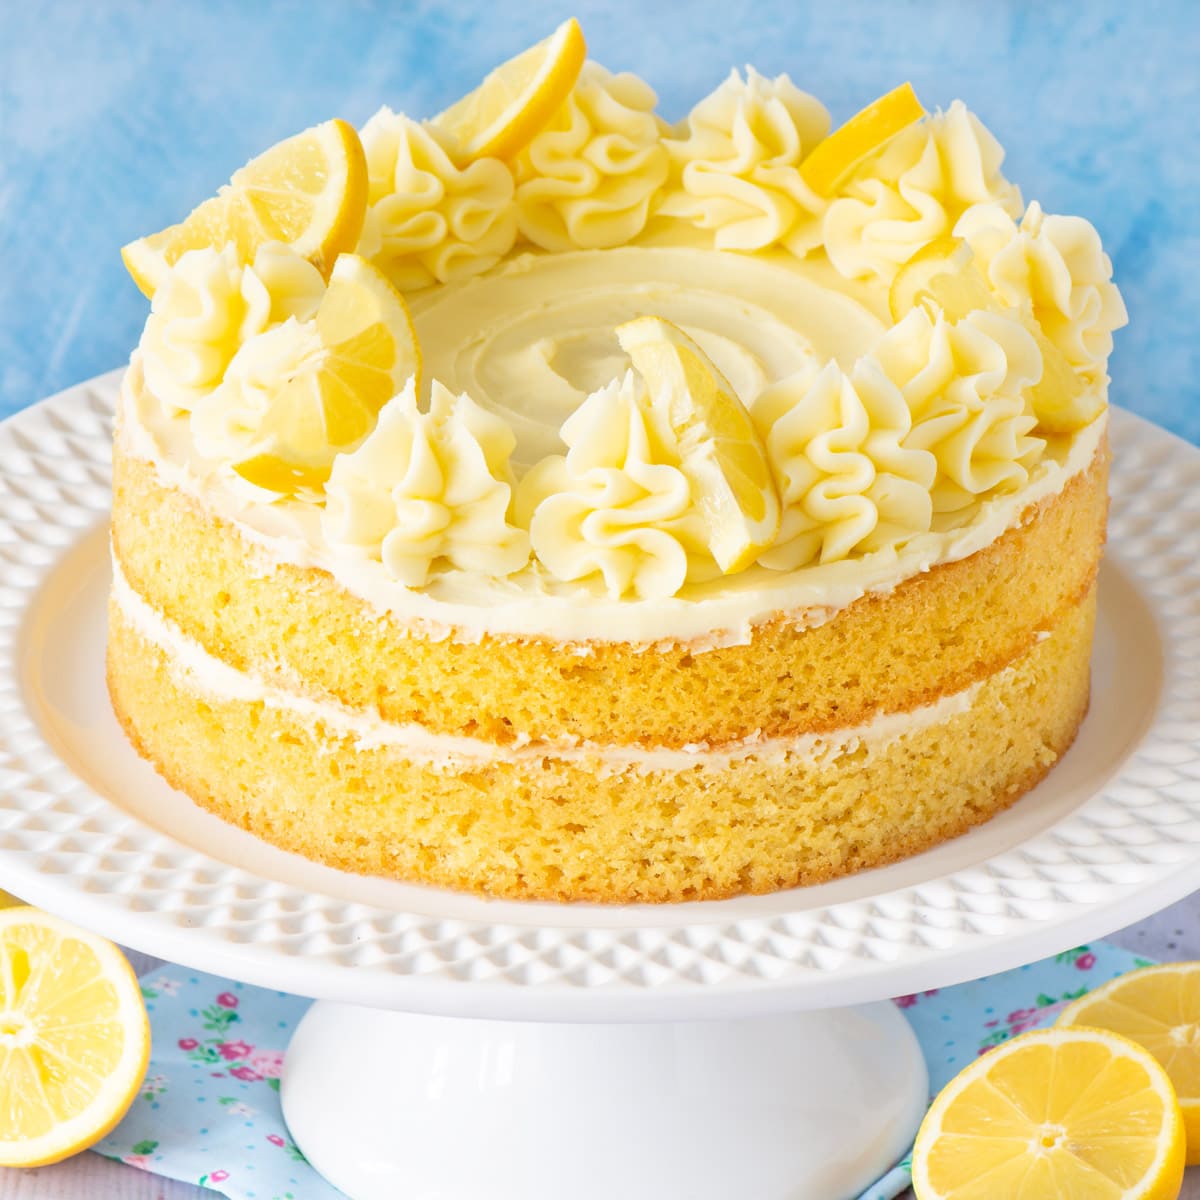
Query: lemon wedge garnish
point(1052, 1114)
point(74, 1038)
point(719, 449)
point(309, 191)
point(368, 350)
point(1159, 1008)
point(945, 274)
point(516, 100)
point(835, 156)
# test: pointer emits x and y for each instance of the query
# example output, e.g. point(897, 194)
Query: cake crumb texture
point(570, 830)
point(935, 634)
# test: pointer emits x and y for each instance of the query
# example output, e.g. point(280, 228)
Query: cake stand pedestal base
point(803, 1106)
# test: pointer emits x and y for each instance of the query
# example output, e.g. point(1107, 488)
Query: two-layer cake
point(727, 518)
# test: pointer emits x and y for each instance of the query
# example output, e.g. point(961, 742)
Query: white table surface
point(1171, 935)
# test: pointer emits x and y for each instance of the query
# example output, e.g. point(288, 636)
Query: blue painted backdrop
point(116, 118)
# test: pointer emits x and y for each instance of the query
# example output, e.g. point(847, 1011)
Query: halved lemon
point(1054, 1114)
point(308, 191)
point(7, 901)
point(516, 100)
point(1159, 1008)
point(946, 274)
point(368, 351)
point(867, 131)
point(74, 1038)
point(719, 449)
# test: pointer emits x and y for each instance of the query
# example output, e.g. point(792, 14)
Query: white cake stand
point(465, 1048)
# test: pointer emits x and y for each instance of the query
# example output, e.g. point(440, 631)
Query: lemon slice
point(74, 1038)
point(1053, 1114)
point(309, 191)
point(368, 350)
point(7, 901)
point(834, 157)
point(720, 450)
point(513, 104)
point(945, 274)
point(1159, 1008)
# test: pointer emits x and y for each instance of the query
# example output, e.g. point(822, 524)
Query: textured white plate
point(89, 831)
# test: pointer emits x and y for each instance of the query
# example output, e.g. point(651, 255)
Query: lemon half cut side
point(74, 1038)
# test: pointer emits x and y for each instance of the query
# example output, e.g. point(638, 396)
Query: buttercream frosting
point(965, 386)
point(616, 504)
point(915, 189)
point(427, 490)
point(227, 423)
point(894, 449)
point(587, 180)
point(531, 602)
point(535, 337)
point(209, 305)
point(848, 482)
point(735, 171)
point(1055, 267)
point(428, 220)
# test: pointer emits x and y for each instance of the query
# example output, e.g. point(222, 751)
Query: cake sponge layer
point(551, 828)
point(934, 634)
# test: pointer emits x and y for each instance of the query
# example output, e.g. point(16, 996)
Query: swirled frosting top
point(533, 487)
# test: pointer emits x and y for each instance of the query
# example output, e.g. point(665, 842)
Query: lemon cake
point(546, 501)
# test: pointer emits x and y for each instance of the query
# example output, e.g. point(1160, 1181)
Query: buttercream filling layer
point(208, 676)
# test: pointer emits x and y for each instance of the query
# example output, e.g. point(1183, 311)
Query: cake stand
point(463, 1048)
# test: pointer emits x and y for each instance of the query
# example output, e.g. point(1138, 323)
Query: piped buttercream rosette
point(428, 491)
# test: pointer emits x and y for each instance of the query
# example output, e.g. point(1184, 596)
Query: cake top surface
point(630, 380)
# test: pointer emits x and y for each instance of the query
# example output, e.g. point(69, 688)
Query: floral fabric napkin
point(209, 1113)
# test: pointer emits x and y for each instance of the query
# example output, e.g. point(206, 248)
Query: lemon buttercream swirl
point(615, 505)
point(849, 484)
point(209, 305)
point(586, 181)
point(1055, 266)
point(428, 492)
point(966, 384)
point(915, 190)
point(226, 425)
point(428, 221)
point(736, 169)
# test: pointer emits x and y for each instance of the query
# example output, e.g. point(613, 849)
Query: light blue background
point(116, 118)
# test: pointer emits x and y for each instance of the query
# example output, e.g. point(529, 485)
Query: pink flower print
point(219, 1176)
point(141, 1161)
point(268, 1063)
point(1085, 962)
point(276, 1140)
point(227, 1000)
point(245, 1074)
point(230, 1051)
point(904, 1001)
point(1024, 1018)
point(188, 1043)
